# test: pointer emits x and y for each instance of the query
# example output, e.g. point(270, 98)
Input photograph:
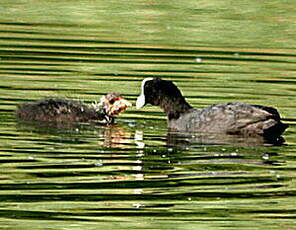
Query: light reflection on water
point(135, 174)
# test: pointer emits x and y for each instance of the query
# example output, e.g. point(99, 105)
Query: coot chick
point(230, 118)
point(65, 110)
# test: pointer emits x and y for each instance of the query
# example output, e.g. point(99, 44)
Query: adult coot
point(65, 110)
point(230, 118)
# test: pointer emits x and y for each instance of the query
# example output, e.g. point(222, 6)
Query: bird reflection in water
point(182, 139)
point(116, 136)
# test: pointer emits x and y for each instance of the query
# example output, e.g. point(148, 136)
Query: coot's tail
point(273, 126)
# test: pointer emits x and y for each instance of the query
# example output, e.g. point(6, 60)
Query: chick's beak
point(119, 106)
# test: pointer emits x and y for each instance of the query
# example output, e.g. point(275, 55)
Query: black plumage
point(230, 118)
point(65, 110)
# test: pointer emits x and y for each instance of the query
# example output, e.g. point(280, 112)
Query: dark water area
point(134, 174)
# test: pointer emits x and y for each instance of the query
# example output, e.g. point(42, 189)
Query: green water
point(133, 175)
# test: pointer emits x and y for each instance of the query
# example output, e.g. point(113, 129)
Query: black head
point(165, 94)
point(154, 90)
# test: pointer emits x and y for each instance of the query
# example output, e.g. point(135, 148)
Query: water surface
point(133, 174)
